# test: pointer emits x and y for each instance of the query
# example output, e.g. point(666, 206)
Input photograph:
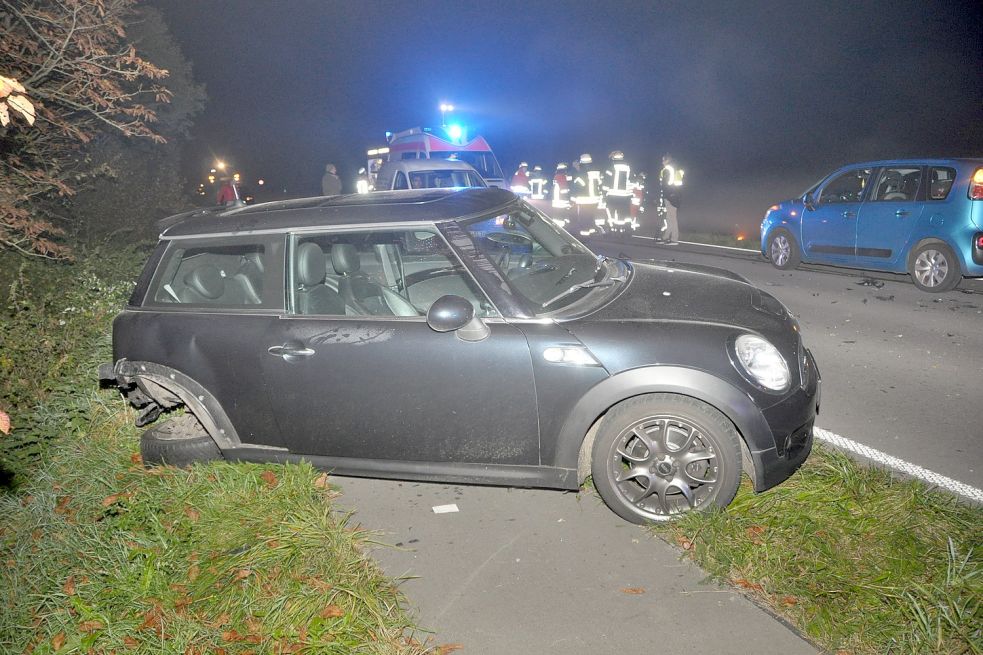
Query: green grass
point(99, 552)
point(857, 560)
point(750, 243)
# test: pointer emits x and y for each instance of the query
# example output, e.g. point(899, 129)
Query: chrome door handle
point(901, 212)
point(849, 214)
point(287, 351)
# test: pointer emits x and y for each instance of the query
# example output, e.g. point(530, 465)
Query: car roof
point(424, 205)
point(919, 161)
point(428, 165)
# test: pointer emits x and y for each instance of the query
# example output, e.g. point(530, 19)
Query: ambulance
point(450, 143)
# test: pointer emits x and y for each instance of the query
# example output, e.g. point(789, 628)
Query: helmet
point(561, 166)
point(617, 155)
point(523, 165)
point(586, 159)
point(537, 168)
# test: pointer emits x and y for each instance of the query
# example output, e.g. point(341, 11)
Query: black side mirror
point(454, 313)
point(809, 201)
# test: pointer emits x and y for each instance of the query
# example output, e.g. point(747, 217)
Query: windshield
point(482, 161)
point(542, 262)
point(442, 179)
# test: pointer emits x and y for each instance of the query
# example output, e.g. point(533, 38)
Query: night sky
point(756, 100)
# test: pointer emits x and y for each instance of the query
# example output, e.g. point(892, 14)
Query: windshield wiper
point(590, 284)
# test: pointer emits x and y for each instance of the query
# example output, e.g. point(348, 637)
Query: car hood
point(677, 292)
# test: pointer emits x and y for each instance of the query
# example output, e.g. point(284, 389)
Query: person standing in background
point(330, 183)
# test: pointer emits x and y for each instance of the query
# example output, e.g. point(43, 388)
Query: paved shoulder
point(533, 571)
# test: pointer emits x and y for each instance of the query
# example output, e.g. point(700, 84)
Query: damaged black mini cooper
point(460, 336)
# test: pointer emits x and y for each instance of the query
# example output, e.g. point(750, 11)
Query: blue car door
point(829, 228)
point(889, 216)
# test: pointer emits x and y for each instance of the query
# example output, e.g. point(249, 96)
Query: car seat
point(203, 285)
point(311, 294)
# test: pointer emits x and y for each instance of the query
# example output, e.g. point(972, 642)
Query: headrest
point(311, 264)
point(206, 281)
point(344, 258)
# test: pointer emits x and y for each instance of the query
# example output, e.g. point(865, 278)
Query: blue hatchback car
point(920, 216)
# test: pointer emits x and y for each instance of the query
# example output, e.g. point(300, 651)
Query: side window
point(848, 187)
point(408, 155)
point(940, 181)
point(898, 184)
point(400, 182)
point(389, 273)
point(219, 274)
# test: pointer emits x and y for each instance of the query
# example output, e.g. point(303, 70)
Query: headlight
point(762, 362)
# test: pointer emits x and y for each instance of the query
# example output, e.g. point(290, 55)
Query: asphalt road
point(902, 369)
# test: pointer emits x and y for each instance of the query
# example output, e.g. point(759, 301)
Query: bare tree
point(75, 63)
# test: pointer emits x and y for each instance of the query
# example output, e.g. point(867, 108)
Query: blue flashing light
point(455, 132)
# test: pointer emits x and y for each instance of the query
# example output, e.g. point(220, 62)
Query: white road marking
point(915, 471)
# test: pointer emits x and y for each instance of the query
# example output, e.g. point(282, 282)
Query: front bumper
point(791, 422)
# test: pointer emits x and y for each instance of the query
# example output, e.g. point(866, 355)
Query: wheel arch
point(169, 387)
point(925, 241)
point(582, 423)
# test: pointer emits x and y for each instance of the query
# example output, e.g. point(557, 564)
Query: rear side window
point(400, 182)
point(898, 184)
point(220, 274)
point(940, 181)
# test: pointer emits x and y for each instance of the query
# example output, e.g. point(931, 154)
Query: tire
point(180, 441)
point(783, 251)
point(934, 268)
point(661, 486)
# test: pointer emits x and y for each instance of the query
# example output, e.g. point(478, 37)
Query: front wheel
point(783, 251)
point(180, 441)
point(934, 268)
point(659, 455)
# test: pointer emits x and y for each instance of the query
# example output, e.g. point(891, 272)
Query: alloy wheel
point(931, 268)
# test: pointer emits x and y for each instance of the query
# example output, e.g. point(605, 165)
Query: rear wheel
point(659, 455)
point(934, 268)
point(180, 441)
point(783, 251)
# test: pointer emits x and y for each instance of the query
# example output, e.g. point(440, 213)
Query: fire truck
point(424, 143)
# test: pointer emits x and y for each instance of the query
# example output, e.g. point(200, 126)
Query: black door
point(393, 389)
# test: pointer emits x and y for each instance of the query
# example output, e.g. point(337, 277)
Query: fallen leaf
point(130, 642)
point(36, 534)
point(4, 423)
point(633, 590)
point(109, 500)
point(69, 586)
point(790, 600)
point(684, 543)
point(231, 635)
point(319, 584)
point(755, 530)
point(61, 505)
point(91, 626)
point(254, 639)
point(219, 621)
point(254, 624)
point(444, 649)
point(321, 482)
point(331, 612)
point(193, 572)
point(747, 584)
point(135, 458)
point(241, 574)
point(58, 641)
point(269, 478)
point(192, 514)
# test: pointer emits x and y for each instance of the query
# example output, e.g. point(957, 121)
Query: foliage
point(54, 331)
point(859, 561)
point(84, 77)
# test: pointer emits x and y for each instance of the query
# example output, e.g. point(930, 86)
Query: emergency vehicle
point(423, 143)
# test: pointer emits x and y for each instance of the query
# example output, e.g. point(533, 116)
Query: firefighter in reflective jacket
point(586, 194)
point(537, 183)
point(670, 188)
point(520, 180)
point(561, 187)
point(618, 193)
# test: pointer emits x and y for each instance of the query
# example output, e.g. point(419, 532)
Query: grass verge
point(857, 560)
